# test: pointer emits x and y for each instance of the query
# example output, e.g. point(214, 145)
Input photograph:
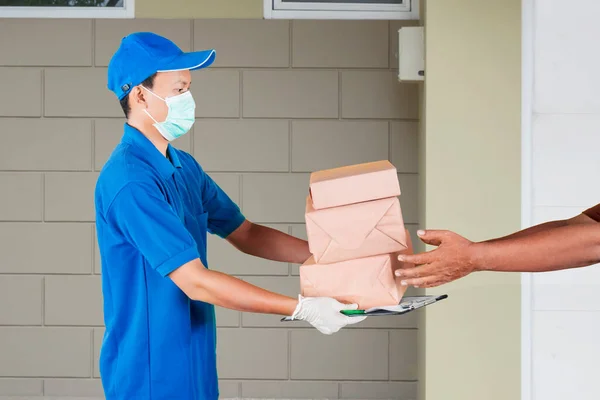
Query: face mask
point(180, 117)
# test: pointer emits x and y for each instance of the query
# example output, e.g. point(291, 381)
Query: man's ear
point(138, 96)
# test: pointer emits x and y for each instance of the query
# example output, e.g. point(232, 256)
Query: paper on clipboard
point(407, 304)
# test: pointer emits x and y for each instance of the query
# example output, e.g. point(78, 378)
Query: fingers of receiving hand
point(432, 237)
point(417, 259)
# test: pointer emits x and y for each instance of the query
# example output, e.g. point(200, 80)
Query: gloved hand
point(324, 313)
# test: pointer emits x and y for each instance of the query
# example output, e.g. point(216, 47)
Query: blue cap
point(143, 54)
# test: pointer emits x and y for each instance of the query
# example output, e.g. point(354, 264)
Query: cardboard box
point(355, 231)
point(353, 184)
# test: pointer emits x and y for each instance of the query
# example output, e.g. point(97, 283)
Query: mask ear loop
point(146, 111)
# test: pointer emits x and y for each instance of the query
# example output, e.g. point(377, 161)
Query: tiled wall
point(566, 139)
point(283, 99)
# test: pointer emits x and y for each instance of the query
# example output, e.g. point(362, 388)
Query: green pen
point(352, 312)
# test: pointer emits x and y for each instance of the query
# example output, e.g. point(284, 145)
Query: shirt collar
point(164, 165)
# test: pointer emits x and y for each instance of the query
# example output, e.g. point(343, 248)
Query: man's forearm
point(568, 246)
point(271, 244)
point(531, 230)
point(226, 291)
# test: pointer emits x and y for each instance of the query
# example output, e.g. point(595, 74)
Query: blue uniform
point(152, 216)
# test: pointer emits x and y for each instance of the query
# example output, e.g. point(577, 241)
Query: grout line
point(43, 387)
point(241, 189)
point(92, 354)
point(43, 198)
point(43, 301)
point(93, 249)
point(389, 52)
point(339, 390)
point(43, 94)
point(289, 351)
point(389, 141)
point(241, 94)
point(93, 43)
point(239, 390)
point(291, 44)
point(389, 360)
point(93, 160)
point(290, 145)
point(339, 94)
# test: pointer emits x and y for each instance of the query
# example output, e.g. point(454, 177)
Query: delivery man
point(154, 207)
point(550, 246)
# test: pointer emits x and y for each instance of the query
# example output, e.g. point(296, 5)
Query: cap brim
point(190, 61)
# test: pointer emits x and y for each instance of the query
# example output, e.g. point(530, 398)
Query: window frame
point(127, 11)
point(278, 9)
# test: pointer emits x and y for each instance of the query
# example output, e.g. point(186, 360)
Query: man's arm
point(548, 247)
point(268, 243)
point(226, 291)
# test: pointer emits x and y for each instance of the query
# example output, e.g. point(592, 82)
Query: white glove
point(324, 313)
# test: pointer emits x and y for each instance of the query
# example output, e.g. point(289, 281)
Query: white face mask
point(180, 117)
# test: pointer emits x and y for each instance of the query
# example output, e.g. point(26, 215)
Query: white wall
point(562, 151)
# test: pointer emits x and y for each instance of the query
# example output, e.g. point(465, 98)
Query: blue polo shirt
point(152, 216)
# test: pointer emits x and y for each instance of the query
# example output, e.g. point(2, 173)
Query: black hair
point(148, 83)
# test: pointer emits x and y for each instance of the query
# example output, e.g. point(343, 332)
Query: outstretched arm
point(547, 247)
point(268, 243)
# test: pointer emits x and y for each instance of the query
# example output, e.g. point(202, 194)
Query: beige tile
point(222, 256)
point(291, 94)
point(340, 44)
point(287, 286)
point(73, 387)
point(73, 300)
point(329, 357)
point(273, 198)
point(230, 183)
point(244, 42)
point(45, 352)
point(79, 92)
point(97, 345)
point(320, 145)
point(110, 32)
point(25, 88)
point(40, 141)
point(379, 390)
point(217, 93)
point(394, 26)
point(70, 196)
point(229, 389)
point(45, 248)
point(227, 318)
point(242, 145)
point(48, 42)
point(409, 199)
point(289, 390)
point(26, 293)
point(21, 198)
point(405, 146)
point(378, 94)
point(108, 133)
point(21, 387)
point(403, 355)
point(241, 351)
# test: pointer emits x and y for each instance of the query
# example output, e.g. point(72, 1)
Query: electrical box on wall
point(411, 54)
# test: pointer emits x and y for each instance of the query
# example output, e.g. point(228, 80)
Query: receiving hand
point(324, 314)
point(453, 259)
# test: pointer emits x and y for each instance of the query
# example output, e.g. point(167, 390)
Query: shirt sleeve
point(148, 222)
point(593, 212)
point(224, 216)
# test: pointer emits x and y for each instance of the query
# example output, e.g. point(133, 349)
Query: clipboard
point(407, 304)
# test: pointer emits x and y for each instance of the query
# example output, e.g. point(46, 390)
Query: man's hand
point(454, 258)
point(324, 313)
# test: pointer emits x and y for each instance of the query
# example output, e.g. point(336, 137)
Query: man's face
point(166, 84)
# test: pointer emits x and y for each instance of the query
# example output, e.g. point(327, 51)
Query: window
point(342, 9)
point(67, 9)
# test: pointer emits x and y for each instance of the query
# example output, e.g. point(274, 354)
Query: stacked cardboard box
point(355, 232)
